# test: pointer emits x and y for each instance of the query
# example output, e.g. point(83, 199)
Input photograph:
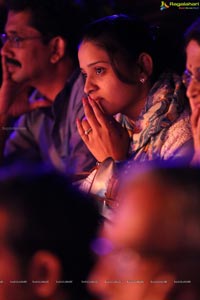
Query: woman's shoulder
point(178, 135)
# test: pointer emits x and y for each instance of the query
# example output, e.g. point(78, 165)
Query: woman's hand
point(102, 134)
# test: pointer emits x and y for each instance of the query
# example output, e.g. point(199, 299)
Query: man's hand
point(14, 97)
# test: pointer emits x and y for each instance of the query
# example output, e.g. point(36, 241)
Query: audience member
point(40, 51)
point(46, 230)
point(191, 79)
point(150, 250)
point(3, 14)
point(117, 57)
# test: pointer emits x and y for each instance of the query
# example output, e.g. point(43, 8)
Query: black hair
point(48, 213)
point(124, 38)
point(54, 18)
point(193, 32)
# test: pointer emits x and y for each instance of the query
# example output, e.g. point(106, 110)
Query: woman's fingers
point(85, 124)
point(81, 130)
point(90, 114)
point(84, 130)
point(103, 120)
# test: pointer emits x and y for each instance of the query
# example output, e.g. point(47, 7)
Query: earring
point(142, 80)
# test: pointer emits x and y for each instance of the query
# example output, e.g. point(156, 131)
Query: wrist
point(196, 158)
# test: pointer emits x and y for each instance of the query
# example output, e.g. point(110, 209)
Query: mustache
point(13, 62)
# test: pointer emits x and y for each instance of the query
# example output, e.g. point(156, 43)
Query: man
point(44, 238)
point(39, 51)
point(191, 79)
point(150, 250)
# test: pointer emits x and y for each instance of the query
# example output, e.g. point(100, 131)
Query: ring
point(88, 131)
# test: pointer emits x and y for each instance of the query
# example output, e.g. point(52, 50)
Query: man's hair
point(54, 18)
point(193, 32)
point(48, 213)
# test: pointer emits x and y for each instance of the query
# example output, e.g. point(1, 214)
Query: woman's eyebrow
point(98, 62)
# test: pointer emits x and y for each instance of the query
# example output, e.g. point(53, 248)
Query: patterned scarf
point(165, 102)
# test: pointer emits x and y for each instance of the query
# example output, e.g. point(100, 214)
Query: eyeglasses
point(188, 76)
point(15, 41)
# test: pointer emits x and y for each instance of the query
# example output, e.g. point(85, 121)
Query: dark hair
point(54, 18)
point(124, 38)
point(193, 32)
point(48, 213)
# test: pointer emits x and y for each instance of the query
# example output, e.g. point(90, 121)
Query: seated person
point(134, 110)
point(40, 52)
point(151, 248)
point(191, 79)
point(46, 230)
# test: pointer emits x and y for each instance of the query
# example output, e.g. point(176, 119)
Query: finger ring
point(88, 131)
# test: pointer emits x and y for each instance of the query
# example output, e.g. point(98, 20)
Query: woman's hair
point(193, 32)
point(124, 38)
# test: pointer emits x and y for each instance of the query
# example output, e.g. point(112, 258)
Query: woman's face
point(103, 86)
point(193, 67)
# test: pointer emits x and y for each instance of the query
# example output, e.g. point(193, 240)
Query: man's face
point(29, 61)
point(10, 269)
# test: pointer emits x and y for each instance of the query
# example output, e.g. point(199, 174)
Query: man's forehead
point(18, 21)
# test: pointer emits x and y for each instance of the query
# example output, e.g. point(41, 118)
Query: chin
point(15, 78)
point(109, 112)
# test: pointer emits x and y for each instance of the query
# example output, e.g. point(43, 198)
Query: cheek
point(9, 269)
point(36, 56)
point(121, 277)
point(120, 92)
point(130, 224)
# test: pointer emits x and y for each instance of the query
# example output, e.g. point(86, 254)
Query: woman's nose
point(5, 48)
point(90, 86)
point(193, 89)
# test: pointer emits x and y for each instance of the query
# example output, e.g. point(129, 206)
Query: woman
point(191, 79)
point(133, 110)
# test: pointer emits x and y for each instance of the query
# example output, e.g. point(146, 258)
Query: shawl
point(165, 104)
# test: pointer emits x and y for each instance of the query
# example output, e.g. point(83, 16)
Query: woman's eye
point(18, 39)
point(84, 75)
point(99, 71)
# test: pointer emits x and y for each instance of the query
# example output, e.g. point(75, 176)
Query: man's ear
point(44, 272)
point(58, 49)
point(146, 64)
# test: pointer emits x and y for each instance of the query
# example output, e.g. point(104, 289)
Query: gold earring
point(142, 80)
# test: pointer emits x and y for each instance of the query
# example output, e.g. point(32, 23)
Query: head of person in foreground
point(45, 234)
point(151, 248)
